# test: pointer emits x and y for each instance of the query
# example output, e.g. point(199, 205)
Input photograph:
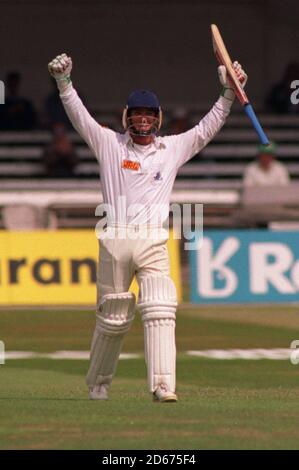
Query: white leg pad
point(114, 319)
point(157, 303)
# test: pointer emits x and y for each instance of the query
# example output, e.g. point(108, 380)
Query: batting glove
point(60, 68)
point(228, 91)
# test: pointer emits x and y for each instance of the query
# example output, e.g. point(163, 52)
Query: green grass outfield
point(223, 404)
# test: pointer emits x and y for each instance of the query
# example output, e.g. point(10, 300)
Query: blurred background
point(49, 179)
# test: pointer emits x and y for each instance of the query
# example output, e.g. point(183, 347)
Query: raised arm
point(193, 141)
point(91, 131)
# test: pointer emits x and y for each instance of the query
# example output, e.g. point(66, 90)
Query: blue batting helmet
point(142, 99)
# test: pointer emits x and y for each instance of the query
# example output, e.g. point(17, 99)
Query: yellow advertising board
point(59, 267)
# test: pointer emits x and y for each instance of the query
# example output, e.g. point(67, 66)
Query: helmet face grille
point(151, 126)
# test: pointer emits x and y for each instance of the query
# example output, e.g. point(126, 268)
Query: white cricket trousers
point(122, 258)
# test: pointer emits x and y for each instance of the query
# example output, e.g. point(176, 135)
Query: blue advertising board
point(245, 266)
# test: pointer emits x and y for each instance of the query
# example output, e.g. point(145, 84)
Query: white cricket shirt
point(137, 180)
point(277, 174)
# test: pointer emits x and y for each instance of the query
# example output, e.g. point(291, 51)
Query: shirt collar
point(157, 142)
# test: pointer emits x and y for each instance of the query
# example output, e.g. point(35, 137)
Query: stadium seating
point(215, 178)
point(221, 163)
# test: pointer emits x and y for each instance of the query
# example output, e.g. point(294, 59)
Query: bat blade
point(224, 59)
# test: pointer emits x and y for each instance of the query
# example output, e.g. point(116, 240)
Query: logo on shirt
point(158, 176)
point(129, 165)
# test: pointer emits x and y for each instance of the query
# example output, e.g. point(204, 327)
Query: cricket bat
point(224, 59)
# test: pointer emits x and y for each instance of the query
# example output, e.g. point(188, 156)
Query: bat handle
point(251, 114)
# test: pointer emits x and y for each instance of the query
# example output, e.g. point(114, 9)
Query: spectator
point(60, 158)
point(18, 113)
point(266, 171)
point(279, 98)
